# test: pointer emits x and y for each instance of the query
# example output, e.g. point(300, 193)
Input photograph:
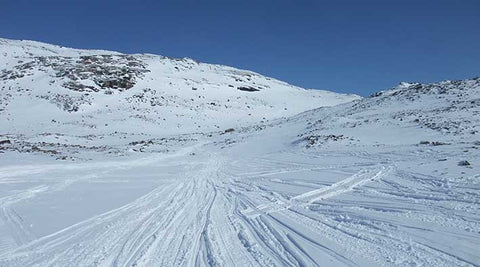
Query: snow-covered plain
point(106, 171)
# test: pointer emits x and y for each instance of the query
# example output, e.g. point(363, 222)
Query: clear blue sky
point(345, 46)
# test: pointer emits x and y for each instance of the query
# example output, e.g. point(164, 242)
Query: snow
point(333, 180)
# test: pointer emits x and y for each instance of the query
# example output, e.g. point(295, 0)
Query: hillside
point(85, 94)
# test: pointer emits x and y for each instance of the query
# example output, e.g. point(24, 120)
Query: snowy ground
point(375, 182)
point(264, 199)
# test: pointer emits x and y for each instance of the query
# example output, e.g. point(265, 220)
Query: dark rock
point(5, 142)
point(437, 143)
point(247, 89)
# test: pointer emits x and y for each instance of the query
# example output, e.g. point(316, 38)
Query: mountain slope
point(87, 89)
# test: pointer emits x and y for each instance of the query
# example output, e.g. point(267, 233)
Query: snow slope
point(392, 179)
point(47, 88)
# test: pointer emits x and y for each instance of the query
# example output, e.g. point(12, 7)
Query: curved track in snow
point(223, 212)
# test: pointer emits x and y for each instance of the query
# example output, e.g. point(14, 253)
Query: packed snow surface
point(109, 159)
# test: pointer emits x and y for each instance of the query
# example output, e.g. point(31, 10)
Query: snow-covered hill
point(92, 175)
point(56, 90)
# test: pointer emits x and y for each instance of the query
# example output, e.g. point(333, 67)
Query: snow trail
point(204, 217)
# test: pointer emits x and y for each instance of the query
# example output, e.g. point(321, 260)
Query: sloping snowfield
point(204, 205)
point(388, 180)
